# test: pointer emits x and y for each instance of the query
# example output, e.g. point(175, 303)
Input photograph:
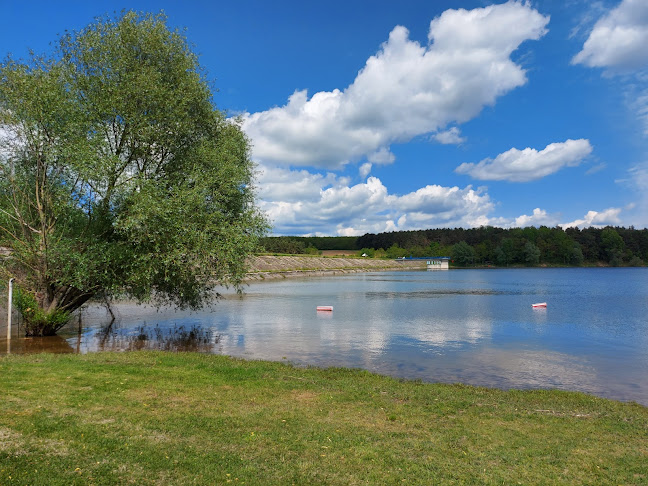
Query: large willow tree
point(118, 176)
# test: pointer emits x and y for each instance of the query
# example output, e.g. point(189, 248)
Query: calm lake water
point(469, 326)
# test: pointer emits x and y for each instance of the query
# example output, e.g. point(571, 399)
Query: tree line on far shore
point(487, 245)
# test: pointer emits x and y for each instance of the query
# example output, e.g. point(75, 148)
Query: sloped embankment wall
point(266, 266)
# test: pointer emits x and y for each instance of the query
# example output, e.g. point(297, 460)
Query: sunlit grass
point(174, 418)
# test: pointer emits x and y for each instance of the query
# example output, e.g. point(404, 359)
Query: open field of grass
point(176, 418)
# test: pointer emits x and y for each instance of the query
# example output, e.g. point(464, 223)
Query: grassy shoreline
point(184, 418)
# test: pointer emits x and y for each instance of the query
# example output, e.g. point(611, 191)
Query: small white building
point(438, 263)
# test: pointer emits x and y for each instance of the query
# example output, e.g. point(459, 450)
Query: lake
point(470, 326)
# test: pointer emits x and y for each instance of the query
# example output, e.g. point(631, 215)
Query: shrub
point(38, 322)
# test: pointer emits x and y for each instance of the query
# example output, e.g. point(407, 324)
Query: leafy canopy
point(117, 173)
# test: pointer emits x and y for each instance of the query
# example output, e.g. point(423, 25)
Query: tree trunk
point(50, 309)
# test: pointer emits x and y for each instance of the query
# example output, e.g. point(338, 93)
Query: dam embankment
point(270, 266)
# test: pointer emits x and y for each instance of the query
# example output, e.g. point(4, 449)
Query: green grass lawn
point(176, 418)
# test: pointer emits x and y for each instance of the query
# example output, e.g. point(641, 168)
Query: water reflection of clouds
point(363, 339)
point(432, 350)
point(520, 368)
point(432, 347)
point(466, 321)
point(443, 333)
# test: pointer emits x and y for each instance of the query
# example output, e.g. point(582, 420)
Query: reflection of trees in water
point(178, 338)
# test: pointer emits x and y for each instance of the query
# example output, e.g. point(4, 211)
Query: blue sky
point(371, 116)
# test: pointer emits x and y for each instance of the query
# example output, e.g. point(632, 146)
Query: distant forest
point(615, 246)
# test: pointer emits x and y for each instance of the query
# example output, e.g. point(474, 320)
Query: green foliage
point(417, 251)
point(573, 246)
point(298, 244)
point(576, 257)
point(556, 246)
point(37, 321)
point(121, 176)
point(311, 250)
point(484, 252)
point(531, 254)
point(506, 253)
point(462, 254)
point(282, 244)
point(330, 242)
point(613, 245)
point(380, 253)
point(635, 261)
point(616, 258)
point(396, 251)
point(434, 249)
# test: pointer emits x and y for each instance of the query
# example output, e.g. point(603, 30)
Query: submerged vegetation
point(185, 418)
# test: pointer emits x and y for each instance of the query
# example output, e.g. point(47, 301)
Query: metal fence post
point(10, 301)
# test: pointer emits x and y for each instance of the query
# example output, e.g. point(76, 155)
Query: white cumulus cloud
point(619, 40)
point(540, 217)
point(403, 91)
point(299, 202)
point(381, 156)
point(607, 217)
point(638, 184)
point(365, 170)
point(330, 205)
point(637, 99)
point(529, 164)
point(276, 184)
point(449, 137)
